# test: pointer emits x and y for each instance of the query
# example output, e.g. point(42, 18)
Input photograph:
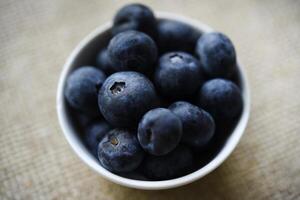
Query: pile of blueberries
point(152, 105)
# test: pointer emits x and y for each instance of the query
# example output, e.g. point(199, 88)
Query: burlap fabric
point(37, 163)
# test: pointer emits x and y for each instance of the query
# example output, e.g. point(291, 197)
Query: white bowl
point(98, 39)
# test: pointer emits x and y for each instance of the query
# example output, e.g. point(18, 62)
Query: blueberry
point(119, 151)
point(103, 62)
point(132, 51)
point(125, 97)
point(82, 88)
point(175, 164)
point(217, 55)
point(198, 125)
point(221, 98)
point(178, 75)
point(94, 132)
point(135, 17)
point(176, 36)
point(159, 131)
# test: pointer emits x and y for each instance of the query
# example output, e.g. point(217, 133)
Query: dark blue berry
point(198, 125)
point(221, 98)
point(159, 131)
point(103, 62)
point(175, 164)
point(178, 75)
point(176, 36)
point(132, 51)
point(82, 88)
point(119, 151)
point(94, 132)
point(125, 97)
point(217, 55)
point(135, 17)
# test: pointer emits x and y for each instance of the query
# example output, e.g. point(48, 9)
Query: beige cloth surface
point(37, 163)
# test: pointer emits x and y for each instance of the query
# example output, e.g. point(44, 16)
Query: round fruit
point(198, 125)
point(221, 98)
point(159, 131)
point(135, 17)
point(132, 51)
point(119, 151)
point(217, 55)
point(82, 88)
point(125, 97)
point(178, 75)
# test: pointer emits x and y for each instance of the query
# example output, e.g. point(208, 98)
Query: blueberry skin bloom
point(119, 151)
point(132, 51)
point(82, 88)
point(173, 165)
point(124, 98)
point(103, 62)
point(178, 75)
point(176, 36)
point(159, 131)
point(198, 125)
point(217, 55)
point(221, 98)
point(94, 132)
point(135, 17)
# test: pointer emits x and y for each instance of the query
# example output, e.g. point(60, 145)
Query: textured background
point(37, 163)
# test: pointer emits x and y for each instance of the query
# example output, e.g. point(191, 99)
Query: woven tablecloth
point(36, 162)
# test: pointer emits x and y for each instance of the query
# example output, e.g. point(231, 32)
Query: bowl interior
point(85, 54)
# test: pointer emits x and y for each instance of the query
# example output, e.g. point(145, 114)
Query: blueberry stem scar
point(114, 141)
point(117, 87)
point(175, 58)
